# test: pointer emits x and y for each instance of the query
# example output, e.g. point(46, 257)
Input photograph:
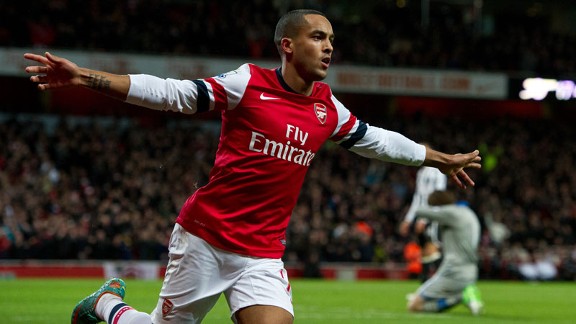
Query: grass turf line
point(50, 301)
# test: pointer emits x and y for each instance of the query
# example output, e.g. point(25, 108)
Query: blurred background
point(91, 179)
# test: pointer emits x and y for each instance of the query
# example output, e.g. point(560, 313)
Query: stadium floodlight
point(538, 89)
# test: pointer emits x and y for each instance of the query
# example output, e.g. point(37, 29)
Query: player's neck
point(295, 81)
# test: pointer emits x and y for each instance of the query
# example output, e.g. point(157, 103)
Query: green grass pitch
point(315, 302)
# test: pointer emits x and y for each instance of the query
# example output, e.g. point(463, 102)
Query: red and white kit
point(270, 135)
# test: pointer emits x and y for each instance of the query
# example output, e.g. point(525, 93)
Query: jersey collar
point(282, 82)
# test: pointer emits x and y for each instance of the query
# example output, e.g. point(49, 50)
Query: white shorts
point(197, 273)
point(449, 282)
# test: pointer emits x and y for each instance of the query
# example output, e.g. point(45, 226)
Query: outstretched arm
point(57, 72)
point(394, 147)
point(453, 165)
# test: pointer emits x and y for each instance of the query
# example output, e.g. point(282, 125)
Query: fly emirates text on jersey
point(284, 151)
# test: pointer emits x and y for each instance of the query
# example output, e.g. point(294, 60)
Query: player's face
point(313, 48)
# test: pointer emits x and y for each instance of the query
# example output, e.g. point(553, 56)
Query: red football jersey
point(269, 136)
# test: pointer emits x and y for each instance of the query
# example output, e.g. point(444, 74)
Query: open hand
point(455, 164)
point(54, 72)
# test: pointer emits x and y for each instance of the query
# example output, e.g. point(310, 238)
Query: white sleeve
point(419, 199)
point(374, 142)
point(428, 180)
point(441, 180)
point(189, 96)
point(162, 94)
point(389, 146)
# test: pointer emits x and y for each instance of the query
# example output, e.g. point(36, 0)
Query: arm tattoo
point(99, 82)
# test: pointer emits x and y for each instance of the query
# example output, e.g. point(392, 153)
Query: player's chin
point(320, 74)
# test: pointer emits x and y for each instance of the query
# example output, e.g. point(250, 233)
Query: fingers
point(474, 166)
point(471, 160)
point(38, 58)
point(53, 58)
point(460, 162)
point(403, 229)
point(472, 163)
point(41, 80)
point(33, 57)
point(462, 180)
point(474, 156)
point(36, 69)
point(477, 158)
point(457, 181)
point(48, 60)
point(467, 180)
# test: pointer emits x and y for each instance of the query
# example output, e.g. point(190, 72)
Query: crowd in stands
point(377, 33)
point(112, 190)
point(95, 190)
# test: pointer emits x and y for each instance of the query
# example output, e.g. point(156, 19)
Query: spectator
point(392, 36)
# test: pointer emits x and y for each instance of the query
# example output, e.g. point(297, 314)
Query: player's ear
point(287, 45)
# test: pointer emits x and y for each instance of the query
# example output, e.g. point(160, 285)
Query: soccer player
point(230, 234)
point(428, 180)
point(455, 280)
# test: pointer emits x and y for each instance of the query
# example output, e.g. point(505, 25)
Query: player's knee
point(415, 303)
point(413, 308)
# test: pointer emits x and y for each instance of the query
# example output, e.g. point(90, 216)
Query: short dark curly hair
point(289, 24)
point(439, 198)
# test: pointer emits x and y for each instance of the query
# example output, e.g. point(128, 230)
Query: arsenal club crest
point(167, 306)
point(321, 112)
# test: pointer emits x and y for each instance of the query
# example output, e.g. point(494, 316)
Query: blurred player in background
point(428, 180)
point(455, 280)
point(229, 237)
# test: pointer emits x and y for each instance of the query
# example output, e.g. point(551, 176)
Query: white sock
point(105, 305)
point(128, 315)
point(114, 311)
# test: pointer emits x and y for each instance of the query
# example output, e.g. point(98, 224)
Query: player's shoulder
point(262, 76)
point(242, 69)
point(323, 92)
point(322, 87)
point(257, 69)
point(246, 74)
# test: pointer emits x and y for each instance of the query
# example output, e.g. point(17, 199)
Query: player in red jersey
point(230, 234)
